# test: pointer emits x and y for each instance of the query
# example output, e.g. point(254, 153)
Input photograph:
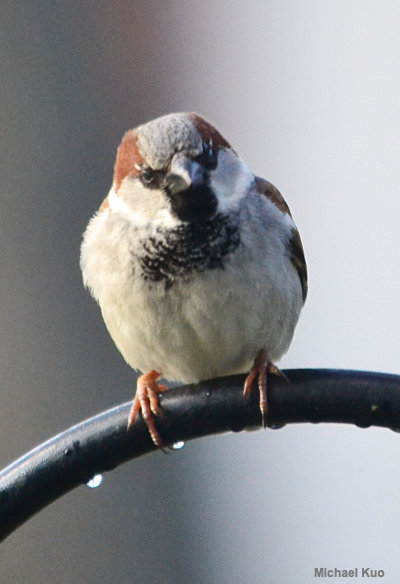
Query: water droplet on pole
point(95, 481)
point(177, 445)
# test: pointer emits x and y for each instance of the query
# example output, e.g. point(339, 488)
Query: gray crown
point(161, 138)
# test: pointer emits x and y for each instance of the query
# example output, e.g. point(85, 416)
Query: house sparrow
point(196, 263)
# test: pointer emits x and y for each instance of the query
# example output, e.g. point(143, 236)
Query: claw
point(146, 401)
point(261, 367)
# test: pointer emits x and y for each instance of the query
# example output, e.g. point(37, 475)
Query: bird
point(196, 263)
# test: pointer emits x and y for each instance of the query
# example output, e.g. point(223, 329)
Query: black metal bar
point(101, 443)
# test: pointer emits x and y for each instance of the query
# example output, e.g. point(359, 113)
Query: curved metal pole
point(101, 443)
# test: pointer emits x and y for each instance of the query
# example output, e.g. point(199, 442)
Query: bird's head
point(177, 168)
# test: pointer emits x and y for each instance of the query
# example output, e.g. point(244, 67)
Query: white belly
point(210, 324)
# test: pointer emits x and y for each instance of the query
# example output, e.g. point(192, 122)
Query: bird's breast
point(170, 255)
point(196, 302)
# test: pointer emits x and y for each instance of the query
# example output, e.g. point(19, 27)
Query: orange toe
point(260, 369)
point(146, 401)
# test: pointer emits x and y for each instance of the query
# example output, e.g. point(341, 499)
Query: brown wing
point(266, 188)
point(296, 247)
point(299, 261)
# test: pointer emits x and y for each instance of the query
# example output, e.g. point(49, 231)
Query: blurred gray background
point(308, 93)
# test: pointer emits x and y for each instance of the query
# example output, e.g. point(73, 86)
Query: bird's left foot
point(261, 367)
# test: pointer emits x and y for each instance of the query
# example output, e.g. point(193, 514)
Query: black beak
point(187, 187)
point(184, 174)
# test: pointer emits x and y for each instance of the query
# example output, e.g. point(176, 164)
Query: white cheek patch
point(137, 208)
point(116, 203)
point(231, 180)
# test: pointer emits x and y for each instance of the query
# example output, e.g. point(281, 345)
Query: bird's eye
point(146, 176)
point(208, 157)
